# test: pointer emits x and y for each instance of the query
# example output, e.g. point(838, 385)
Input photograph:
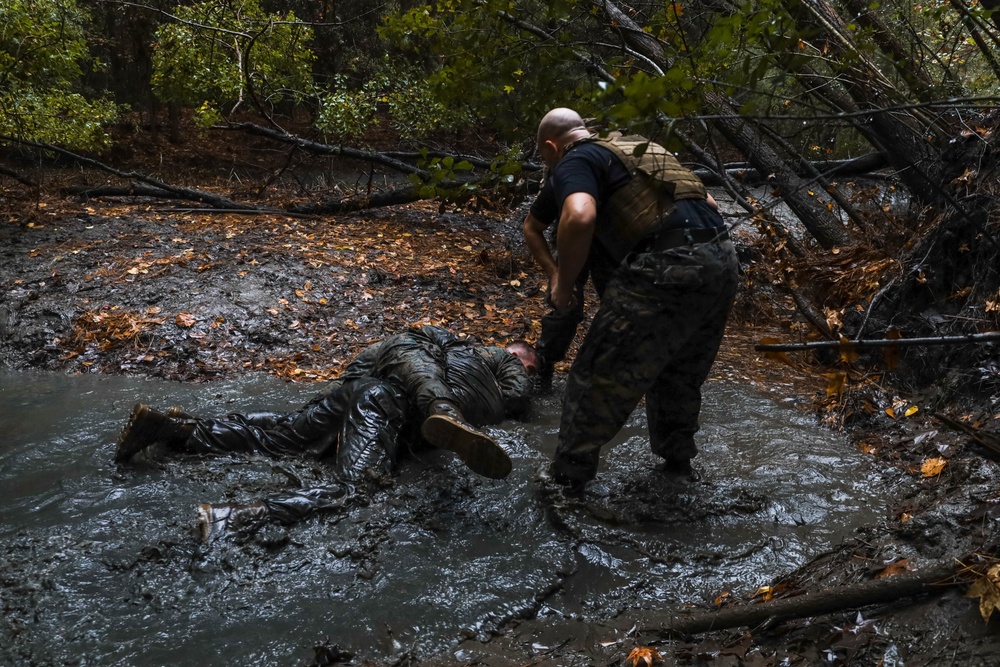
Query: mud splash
point(102, 566)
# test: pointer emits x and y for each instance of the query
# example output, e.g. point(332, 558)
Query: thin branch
point(318, 148)
point(849, 345)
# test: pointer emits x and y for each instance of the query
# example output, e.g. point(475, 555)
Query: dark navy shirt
point(587, 167)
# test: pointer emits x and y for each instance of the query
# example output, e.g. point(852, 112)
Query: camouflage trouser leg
point(312, 428)
point(673, 401)
point(658, 328)
point(360, 421)
point(370, 432)
point(419, 370)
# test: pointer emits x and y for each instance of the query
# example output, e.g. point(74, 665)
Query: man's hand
point(560, 298)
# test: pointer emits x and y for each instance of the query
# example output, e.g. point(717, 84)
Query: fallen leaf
point(987, 589)
point(896, 567)
point(932, 467)
point(645, 655)
point(765, 593)
point(848, 352)
point(776, 356)
point(185, 320)
point(835, 383)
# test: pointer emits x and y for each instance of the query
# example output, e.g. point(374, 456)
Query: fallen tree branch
point(318, 148)
point(808, 309)
point(849, 345)
point(403, 195)
point(131, 190)
point(984, 438)
point(23, 180)
point(864, 165)
point(178, 192)
point(826, 601)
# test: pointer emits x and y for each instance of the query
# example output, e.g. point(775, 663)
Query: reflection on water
point(102, 565)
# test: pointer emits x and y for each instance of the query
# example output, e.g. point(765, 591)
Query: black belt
point(675, 238)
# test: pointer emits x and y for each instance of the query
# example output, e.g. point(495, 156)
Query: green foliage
point(43, 53)
point(476, 58)
point(346, 114)
point(224, 53)
point(442, 172)
point(402, 92)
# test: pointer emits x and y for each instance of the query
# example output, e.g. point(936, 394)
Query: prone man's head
point(557, 129)
point(526, 353)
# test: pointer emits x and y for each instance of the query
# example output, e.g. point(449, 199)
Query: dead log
point(131, 190)
point(405, 195)
point(826, 601)
point(179, 192)
point(23, 180)
point(851, 345)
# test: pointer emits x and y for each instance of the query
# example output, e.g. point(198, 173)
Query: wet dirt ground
point(201, 302)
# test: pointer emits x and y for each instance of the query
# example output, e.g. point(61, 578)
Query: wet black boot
point(177, 412)
point(217, 520)
point(147, 427)
point(679, 467)
point(446, 428)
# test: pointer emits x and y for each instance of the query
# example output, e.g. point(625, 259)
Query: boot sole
point(135, 435)
point(480, 453)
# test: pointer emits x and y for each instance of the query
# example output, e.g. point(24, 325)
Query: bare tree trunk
point(174, 119)
point(810, 208)
point(916, 160)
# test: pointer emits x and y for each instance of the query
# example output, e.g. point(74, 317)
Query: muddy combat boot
point(679, 467)
point(218, 520)
point(447, 429)
point(177, 412)
point(147, 427)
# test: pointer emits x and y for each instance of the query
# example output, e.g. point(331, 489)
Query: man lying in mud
point(424, 381)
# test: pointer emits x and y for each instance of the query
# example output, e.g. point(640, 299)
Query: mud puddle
point(103, 566)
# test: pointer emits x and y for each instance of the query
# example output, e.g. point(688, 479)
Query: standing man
point(663, 311)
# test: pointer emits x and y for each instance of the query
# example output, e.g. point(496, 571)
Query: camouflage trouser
point(656, 334)
point(358, 423)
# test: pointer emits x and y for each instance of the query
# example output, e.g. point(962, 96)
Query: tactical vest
point(636, 208)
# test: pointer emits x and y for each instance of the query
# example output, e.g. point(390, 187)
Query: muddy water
point(102, 566)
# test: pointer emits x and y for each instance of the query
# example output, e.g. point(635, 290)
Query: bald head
point(558, 128)
point(558, 122)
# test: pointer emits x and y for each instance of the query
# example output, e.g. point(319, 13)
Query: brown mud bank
point(139, 290)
